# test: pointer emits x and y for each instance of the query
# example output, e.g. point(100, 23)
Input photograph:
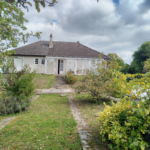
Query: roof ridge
point(57, 41)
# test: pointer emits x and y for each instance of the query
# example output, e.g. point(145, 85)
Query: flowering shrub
point(126, 124)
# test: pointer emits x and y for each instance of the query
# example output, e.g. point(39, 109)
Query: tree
point(25, 3)
point(116, 59)
point(12, 29)
point(139, 57)
point(147, 65)
point(125, 68)
point(12, 26)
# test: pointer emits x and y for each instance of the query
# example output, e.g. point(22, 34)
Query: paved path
point(59, 87)
point(81, 125)
point(6, 121)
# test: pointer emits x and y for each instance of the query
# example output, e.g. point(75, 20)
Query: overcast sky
point(110, 26)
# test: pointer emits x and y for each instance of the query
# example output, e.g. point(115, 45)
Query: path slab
point(81, 125)
point(54, 91)
point(6, 121)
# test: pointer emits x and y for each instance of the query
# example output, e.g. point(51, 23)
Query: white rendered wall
point(31, 62)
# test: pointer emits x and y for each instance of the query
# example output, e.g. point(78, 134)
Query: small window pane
point(36, 61)
point(43, 61)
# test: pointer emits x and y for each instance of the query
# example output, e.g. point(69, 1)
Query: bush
point(20, 84)
point(70, 78)
point(12, 105)
point(125, 124)
point(19, 87)
point(147, 74)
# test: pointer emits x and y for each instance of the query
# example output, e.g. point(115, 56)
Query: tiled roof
point(60, 49)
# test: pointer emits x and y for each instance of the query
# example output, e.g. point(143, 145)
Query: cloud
point(103, 26)
point(144, 6)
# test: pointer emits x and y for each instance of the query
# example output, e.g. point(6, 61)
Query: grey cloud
point(97, 25)
point(144, 6)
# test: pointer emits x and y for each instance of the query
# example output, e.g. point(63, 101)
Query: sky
point(108, 26)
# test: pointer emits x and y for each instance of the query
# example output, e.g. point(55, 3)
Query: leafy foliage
point(25, 3)
point(115, 58)
point(139, 57)
point(125, 124)
point(70, 78)
point(12, 32)
point(20, 83)
point(12, 104)
point(11, 26)
point(147, 74)
point(147, 65)
point(19, 87)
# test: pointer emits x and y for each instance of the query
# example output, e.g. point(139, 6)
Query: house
point(50, 57)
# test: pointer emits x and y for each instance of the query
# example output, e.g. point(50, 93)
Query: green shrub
point(125, 124)
point(19, 87)
point(20, 84)
point(147, 74)
point(11, 105)
point(70, 78)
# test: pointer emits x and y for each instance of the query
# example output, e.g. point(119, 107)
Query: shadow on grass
point(88, 100)
point(96, 140)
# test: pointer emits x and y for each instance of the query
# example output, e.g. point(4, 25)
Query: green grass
point(44, 81)
point(48, 125)
point(2, 117)
point(88, 110)
point(79, 77)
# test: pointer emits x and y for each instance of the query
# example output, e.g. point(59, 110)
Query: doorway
point(60, 66)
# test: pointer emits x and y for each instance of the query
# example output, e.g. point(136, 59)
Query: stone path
point(59, 87)
point(59, 82)
point(81, 125)
point(6, 121)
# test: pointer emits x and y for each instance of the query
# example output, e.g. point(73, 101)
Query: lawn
point(48, 125)
point(78, 82)
point(88, 111)
point(44, 81)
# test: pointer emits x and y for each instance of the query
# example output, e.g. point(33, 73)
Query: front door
point(60, 66)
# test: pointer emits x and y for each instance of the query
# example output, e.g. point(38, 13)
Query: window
point(36, 61)
point(43, 61)
point(61, 65)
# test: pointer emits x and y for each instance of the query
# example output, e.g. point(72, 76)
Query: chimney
point(51, 42)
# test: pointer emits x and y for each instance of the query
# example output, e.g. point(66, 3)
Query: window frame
point(35, 60)
point(41, 61)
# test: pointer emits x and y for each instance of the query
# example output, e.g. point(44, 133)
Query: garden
point(113, 97)
point(119, 101)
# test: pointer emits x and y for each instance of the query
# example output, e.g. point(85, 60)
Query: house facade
point(49, 57)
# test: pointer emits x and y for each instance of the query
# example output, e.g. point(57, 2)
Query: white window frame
point(34, 61)
point(41, 61)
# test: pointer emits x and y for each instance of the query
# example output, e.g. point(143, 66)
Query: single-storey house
point(50, 57)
